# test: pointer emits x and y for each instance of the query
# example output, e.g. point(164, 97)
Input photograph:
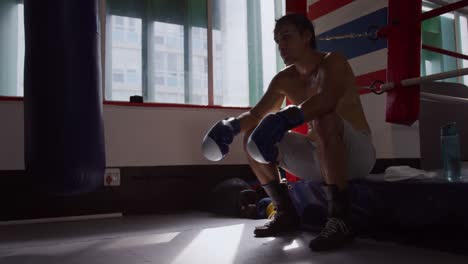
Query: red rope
point(445, 52)
point(444, 9)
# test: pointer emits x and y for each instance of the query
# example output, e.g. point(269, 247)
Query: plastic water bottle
point(450, 146)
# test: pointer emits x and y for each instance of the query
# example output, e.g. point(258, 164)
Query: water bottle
point(450, 146)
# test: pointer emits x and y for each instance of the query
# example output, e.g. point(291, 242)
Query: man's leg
point(332, 150)
point(332, 155)
point(286, 218)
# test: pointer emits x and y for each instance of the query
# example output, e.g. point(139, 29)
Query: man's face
point(291, 43)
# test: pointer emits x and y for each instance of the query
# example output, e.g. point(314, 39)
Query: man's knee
point(246, 138)
point(329, 127)
point(251, 161)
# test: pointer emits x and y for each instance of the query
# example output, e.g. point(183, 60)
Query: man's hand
point(216, 142)
point(261, 144)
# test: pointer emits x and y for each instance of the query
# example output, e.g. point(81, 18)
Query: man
point(337, 148)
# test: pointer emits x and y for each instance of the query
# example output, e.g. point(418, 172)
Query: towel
point(401, 173)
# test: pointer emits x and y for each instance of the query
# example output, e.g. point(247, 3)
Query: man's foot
point(282, 222)
point(336, 234)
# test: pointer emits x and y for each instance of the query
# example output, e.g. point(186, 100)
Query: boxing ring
point(428, 209)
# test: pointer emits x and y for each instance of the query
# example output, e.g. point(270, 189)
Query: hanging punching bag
point(64, 138)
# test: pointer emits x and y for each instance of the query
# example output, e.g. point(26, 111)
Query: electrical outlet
point(112, 177)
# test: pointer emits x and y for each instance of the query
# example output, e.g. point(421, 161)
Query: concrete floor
point(189, 238)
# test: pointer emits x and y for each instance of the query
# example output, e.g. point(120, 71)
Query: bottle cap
point(449, 129)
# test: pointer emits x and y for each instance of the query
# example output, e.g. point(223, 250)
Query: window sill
point(121, 103)
point(11, 98)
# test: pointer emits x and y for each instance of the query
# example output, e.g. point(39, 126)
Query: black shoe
point(282, 222)
point(336, 234)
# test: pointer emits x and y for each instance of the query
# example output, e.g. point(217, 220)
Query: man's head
point(294, 34)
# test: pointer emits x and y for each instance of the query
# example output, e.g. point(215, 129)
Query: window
point(132, 37)
point(205, 65)
point(449, 32)
point(463, 43)
point(159, 40)
point(131, 25)
point(20, 52)
point(159, 61)
point(124, 61)
point(119, 22)
point(159, 49)
point(166, 81)
point(159, 81)
point(11, 48)
point(132, 77)
point(245, 61)
point(173, 61)
point(117, 76)
point(172, 82)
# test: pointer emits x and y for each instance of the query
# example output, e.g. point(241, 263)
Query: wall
point(144, 136)
point(11, 136)
point(147, 136)
point(135, 136)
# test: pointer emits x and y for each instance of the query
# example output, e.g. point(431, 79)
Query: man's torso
point(349, 107)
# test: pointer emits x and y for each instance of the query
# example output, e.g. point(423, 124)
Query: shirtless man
point(337, 148)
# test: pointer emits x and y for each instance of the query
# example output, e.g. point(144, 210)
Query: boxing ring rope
point(445, 52)
point(383, 32)
point(380, 87)
point(444, 9)
point(443, 98)
point(418, 80)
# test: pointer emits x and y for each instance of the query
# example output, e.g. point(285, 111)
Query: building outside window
point(448, 31)
point(172, 56)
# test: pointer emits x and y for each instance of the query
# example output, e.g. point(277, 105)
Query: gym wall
point(150, 136)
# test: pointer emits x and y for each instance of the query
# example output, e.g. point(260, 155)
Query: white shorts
point(298, 154)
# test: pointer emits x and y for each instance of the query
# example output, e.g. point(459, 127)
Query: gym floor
point(189, 237)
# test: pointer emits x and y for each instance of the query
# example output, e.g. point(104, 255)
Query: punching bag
point(64, 135)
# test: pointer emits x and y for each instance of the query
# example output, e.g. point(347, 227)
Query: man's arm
point(335, 74)
point(261, 145)
point(215, 144)
point(270, 102)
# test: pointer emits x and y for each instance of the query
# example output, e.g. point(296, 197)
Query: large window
point(449, 32)
point(167, 52)
point(161, 50)
point(11, 48)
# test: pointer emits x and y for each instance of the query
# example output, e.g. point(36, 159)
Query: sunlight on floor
point(137, 241)
point(213, 245)
point(293, 245)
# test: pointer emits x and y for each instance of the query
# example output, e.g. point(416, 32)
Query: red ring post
point(404, 55)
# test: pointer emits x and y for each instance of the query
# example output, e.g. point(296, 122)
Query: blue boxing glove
point(216, 142)
point(261, 144)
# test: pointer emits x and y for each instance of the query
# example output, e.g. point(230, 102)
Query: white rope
point(443, 98)
point(425, 79)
